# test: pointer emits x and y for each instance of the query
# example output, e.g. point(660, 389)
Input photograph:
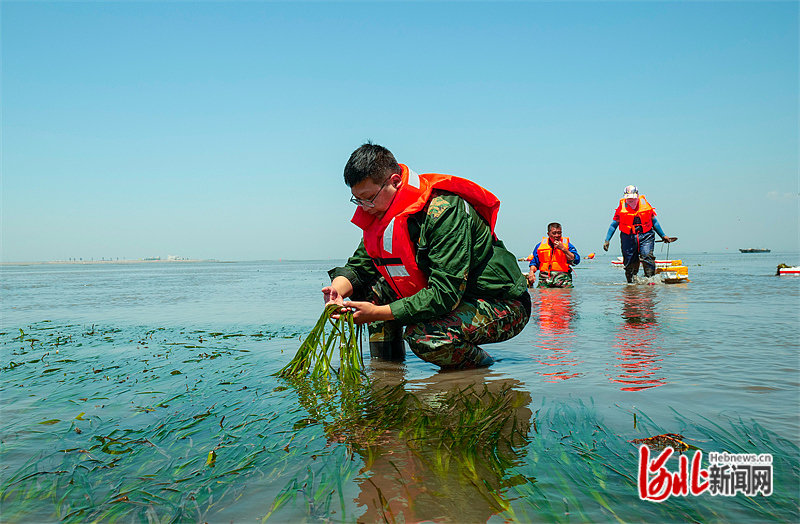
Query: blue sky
point(220, 130)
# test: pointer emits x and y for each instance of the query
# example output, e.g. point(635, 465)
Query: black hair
point(553, 225)
point(370, 160)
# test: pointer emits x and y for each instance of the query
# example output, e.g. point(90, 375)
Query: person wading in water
point(638, 225)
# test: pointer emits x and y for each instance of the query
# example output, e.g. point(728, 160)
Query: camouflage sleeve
point(445, 243)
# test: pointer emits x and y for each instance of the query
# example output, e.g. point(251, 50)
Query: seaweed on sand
point(334, 329)
point(660, 442)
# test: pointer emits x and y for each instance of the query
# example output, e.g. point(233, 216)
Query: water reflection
point(430, 445)
point(556, 311)
point(637, 341)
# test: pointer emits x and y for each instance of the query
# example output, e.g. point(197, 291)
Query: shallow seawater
point(147, 392)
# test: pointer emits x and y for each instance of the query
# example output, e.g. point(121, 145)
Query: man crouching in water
point(429, 260)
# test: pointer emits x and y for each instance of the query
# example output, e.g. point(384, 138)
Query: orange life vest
point(553, 259)
point(387, 240)
point(627, 216)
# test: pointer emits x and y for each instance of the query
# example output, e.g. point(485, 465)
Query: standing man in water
point(637, 222)
point(429, 268)
point(553, 257)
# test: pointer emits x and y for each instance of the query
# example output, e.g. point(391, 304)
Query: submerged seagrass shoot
point(334, 329)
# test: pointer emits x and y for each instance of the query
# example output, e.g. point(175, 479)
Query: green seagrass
point(315, 354)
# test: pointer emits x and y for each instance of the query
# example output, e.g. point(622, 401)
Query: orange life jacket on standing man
point(553, 259)
point(626, 217)
point(387, 240)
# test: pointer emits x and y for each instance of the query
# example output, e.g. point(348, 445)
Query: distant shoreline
point(686, 256)
point(93, 262)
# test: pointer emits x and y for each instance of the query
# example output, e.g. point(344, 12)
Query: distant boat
point(754, 250)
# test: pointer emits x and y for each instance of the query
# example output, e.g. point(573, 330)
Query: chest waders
point(646, 259)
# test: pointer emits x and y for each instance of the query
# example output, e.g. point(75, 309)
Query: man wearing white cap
point(637, 223)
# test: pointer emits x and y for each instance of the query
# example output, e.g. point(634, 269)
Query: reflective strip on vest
point(396, 271)
point(387, 237)
point(413, 179)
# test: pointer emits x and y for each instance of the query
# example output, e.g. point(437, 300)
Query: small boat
point(671, 271)
point(754, 250)
point(659, 263)
point(675, 273)
point(783, 269)
point(590, 256)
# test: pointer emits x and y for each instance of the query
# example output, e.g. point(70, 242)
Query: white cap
point(631, 192)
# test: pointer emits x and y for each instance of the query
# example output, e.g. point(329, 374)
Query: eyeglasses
point(371, 201)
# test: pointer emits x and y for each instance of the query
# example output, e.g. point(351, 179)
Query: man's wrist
point(398, 310)
point(386, 312)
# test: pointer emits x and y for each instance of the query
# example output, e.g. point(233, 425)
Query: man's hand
point(667, 240)
point(365, 312)
point(605, 245)
point(531, 277)
point(331, 296)
point(560, 245)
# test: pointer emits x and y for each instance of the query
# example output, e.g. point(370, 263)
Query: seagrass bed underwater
point(139, 399)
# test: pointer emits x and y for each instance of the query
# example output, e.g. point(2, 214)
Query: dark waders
point(638, 247)
point(386, 340)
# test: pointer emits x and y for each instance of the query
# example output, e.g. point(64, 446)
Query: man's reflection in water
point(638, 351)
point(439, 447)
point(556, 310)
